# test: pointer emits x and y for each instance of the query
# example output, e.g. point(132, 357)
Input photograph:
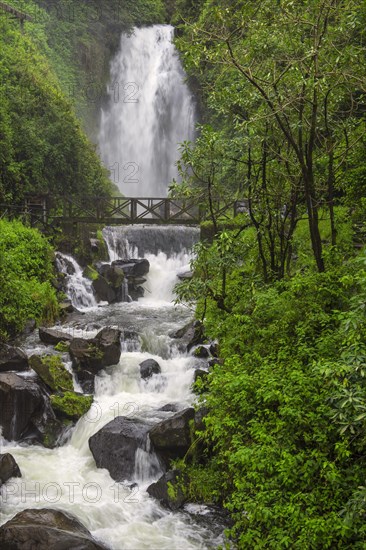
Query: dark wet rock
point(200, 374)
point(201, 352)
point(170, 407)
point(195, 335)
point(115, 445)
point(213, 362)
point(91, 356)
point(148, 368)
point(135, 292)
point(46, 529)
point(25, 411)
point(20, 399)
point(64, 264)
point(108, 286)
point(169, 490)
point(94, 245)
point(103, 290)
point(211, 517)
point(185, 275)
point(52, 336)
point(13, 359)
point(214, 349)
point(199, 416)
point(191, 334)
point(171, 438)
point(133, 267)
point(67, 307)
point(30, 327)
point(8, 468)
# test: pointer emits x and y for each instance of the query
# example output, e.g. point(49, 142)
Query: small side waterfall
point(79, 289)
point(150, 111)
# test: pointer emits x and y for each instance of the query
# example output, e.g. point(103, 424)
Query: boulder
point(192, 335)
point(135, 292)
point(52, 372)
point(52, 336)
point(91, 356)
point(148, 368)
point(200, 374)
point(13, 359)
point(8, 468)
point(169, 490)
point(66, 307)
point(171, 438)
point(200, 414)
point(71, 405)
point(214, 349)
point(94, 245)
point(115, 445)
point(25, 411)
point(103, 290)
point(133, 267)
point(64, 265)
point(201, 352)
point(184, 275)
point(46, 529)
point(195, 335)
point(170, 407)
point(20, 399)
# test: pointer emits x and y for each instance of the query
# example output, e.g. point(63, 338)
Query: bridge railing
point(125, 210)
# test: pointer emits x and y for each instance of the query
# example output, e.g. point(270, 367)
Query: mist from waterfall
point(150, 110)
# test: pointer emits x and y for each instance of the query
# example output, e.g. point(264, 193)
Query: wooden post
point(166, 210)
point(133, 209)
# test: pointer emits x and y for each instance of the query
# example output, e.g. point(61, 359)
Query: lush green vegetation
point(26, 275)
point(53, 78)
point(79, 38)
point(43, 148)
point(282, 287)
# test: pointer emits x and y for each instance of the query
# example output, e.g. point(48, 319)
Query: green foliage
point(286, 419)
point(26, 272)
point(62, 347)
point(52, 371)
point(44, 149)
point(283, 89)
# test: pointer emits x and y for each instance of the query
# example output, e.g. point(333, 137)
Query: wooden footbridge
point(57, 211)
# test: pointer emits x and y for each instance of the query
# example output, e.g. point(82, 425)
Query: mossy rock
point(90, 273)
point(52, 372)
point(71, 405)
point(63, 347)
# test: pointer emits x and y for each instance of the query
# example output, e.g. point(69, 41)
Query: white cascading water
point(150, 111)
point(79, 289)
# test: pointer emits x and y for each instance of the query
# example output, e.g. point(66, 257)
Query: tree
point(297, 66)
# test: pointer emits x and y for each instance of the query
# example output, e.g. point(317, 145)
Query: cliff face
point(79, 37)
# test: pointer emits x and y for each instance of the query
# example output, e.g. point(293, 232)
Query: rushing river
point(66, 477)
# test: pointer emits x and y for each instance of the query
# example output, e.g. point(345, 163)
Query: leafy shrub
point(26, 273)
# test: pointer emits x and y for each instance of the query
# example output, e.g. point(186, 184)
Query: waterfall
point(168, 250)
point(150, 111)
point(134, 241)
point(79, 289)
